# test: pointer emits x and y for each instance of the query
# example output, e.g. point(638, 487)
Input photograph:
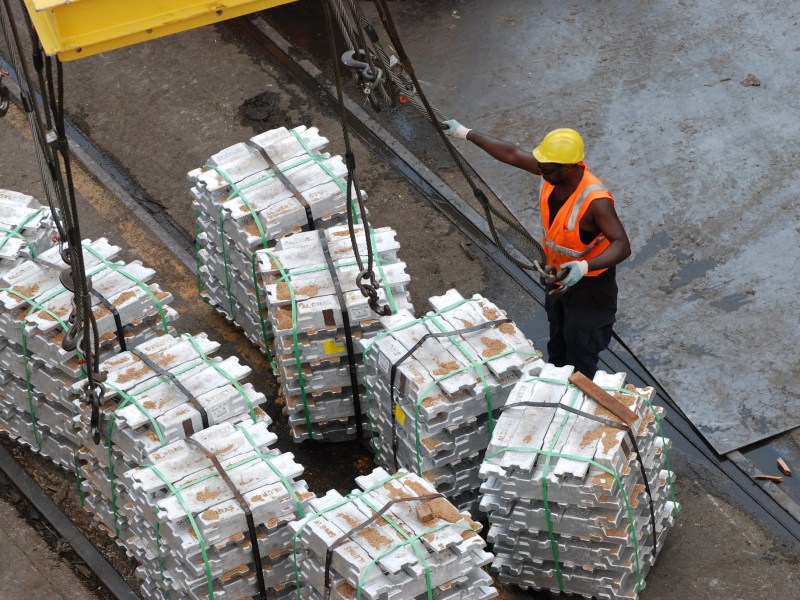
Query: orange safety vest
point(562, 240)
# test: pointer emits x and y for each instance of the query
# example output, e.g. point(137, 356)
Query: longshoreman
point(584, 240)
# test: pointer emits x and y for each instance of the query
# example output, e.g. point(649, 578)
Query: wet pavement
point(185, 97)
point(689, 114)
point(29, 569)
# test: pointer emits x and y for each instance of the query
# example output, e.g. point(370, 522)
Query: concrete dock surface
point(161, 109)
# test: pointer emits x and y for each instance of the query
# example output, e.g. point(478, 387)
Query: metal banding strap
point(348, 333)
point(117, 319)
point(576, 208)
point(408, 354)
point(285, 180)
point(367, 523)
point(616, 425)
point(251, 526)
point(171, 376)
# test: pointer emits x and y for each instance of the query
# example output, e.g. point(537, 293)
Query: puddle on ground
point(732, 302)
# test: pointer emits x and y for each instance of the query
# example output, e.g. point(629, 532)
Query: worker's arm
point(496, 148)
point(602, 218)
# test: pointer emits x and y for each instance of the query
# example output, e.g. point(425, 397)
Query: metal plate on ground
point(683, 111)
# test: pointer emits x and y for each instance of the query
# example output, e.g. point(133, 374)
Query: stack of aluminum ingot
point(158, 392)
point(434, 395)
point(35, 371)
point(189, 523)
point(243, 204)
point(396, 540)
point(26, 229)
point(309, 280)
point(575, 505)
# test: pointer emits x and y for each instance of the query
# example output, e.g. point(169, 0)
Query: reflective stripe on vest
point(576, 209)
point(562, 242)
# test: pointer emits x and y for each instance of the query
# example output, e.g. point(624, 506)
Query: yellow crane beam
point(74, 29)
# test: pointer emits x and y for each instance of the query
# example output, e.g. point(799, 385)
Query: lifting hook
point(370, 77)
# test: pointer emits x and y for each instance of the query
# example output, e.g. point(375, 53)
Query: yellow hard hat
point(563, 146)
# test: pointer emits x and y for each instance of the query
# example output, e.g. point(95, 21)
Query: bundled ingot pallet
point(578, 501)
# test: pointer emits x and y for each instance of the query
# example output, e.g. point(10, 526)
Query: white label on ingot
point(359, 313)
point(221, 412)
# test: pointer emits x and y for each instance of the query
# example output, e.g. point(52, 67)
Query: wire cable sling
point(489, 210)
point(368, 289)
point(52, 152)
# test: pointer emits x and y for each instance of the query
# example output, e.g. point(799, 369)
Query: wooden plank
point(773, 478)
point(606, 400)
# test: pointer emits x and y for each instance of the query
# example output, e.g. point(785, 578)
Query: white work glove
point(455, 129)
point(572, 272)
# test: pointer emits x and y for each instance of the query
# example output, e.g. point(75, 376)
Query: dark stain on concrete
point(732, 302)
point(262, 112)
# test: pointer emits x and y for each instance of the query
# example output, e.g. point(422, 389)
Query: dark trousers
point(581, 322)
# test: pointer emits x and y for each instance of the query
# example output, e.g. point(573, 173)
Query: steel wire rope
point(489, 210)
point(83, 332)
point(356, 28)
point(702, 448)
point(389, 25)
point(398, 77)
point(412, 90)
point(30, 108)
point(367, 290)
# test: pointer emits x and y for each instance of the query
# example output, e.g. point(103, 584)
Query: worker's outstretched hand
point(455, 129)
point(572, 272)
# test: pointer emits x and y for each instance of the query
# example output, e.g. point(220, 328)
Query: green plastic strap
point(127, 399)
point(296, 340)
point(17, 232)
point(487, 393)
point(611, 472)
point(223, 372)
point(77, 469)
point(320, 160)
point(436, 381)
point(201, 541)
point(238, 192)
point(412, 541)
point(308, 518)
point(35, 307)
point(547, 513)
point(284, 480)
point(118, 269)
point(260, 308)
point(408, 540)
point(676, 511)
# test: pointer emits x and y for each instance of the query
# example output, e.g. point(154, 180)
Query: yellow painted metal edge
point(59, 35)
